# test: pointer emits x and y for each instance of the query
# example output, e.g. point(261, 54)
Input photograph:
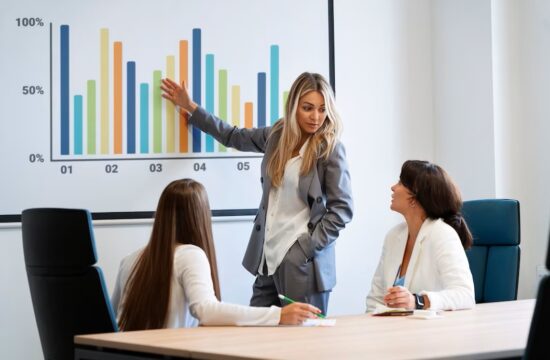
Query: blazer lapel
point(417, 251)
point(304, 184)
point(398, 249)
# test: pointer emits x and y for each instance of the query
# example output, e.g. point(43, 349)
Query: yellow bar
point(183, 133)
point(248, 115)
point(170, 109)
point(236, 105)
point(117, 98)
point(104, 90)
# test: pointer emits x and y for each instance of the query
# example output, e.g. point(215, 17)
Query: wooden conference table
point(495, 330)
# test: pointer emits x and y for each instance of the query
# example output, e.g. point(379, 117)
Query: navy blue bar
point(64, 87)
point(261, 100)
point(196, 83)
point(131, 107)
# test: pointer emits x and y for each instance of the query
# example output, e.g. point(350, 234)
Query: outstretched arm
point(197, 285)
point(242, 139)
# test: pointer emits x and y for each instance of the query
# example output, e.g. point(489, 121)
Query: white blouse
point(192, 299)
point(287, 215)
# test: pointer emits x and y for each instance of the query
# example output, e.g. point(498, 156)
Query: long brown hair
point(183, 217)
point(320, 144)
point(438, 195)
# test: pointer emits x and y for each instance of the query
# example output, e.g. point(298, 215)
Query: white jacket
point(192, 299)
point(438, 267)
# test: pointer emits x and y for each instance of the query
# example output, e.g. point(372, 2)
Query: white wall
point(521, 86)
point(415, 79)
point(463, 97)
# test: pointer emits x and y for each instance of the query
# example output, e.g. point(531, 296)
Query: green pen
point(290, 301)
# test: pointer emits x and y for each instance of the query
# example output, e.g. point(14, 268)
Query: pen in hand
point(290, 301)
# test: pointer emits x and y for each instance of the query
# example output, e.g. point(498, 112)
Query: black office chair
point(495, 254)
point(68, 292)
point(537, 343)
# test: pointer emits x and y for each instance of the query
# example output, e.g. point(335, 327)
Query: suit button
point(258, 227)
point(319, 199)
point(309, 225)
point(262, 179)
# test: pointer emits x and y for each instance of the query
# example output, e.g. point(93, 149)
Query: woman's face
point(311, 113)
point(401, 198)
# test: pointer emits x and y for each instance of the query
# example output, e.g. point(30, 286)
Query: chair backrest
point(68, 292)
point(495, 254)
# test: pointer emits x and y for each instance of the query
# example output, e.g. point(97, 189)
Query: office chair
point(495, 254)
point(537, 342)
point(68, 292)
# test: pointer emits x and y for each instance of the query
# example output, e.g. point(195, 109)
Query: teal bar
point(209, 89)
point(274, 83)
point(144, 118)
point(78, 124)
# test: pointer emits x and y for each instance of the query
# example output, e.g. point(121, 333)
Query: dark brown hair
point(183, 216)
point(438, 195)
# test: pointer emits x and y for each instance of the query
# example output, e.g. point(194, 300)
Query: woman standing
point(306, 197)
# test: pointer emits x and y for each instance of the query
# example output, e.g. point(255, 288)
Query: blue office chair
point(495, 254)
point(68, 292)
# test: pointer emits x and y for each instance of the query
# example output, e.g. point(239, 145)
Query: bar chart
point(116, 116)
point(84, 124)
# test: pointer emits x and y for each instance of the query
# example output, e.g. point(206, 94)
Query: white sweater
point(192, 299)
point(438, 267)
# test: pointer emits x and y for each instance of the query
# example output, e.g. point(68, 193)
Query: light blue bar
point(209, 90)
point(78, 124)
point(274, 83)
point(144, 118)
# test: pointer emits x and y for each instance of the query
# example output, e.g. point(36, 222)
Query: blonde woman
point(306, 197)
point(173, 281)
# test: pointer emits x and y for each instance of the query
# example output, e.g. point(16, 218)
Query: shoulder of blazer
point(438, 230)
point(338, 151)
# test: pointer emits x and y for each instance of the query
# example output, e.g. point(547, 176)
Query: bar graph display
point(84, 123)
point(165, 132)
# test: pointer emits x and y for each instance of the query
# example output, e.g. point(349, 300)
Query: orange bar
point(248, 111)
point(184, 71)
point(117, 101)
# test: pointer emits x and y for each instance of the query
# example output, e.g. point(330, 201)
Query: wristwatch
point(418, 301)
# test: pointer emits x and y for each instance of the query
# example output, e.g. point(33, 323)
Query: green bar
point(285, 98)
point(91, 116)
point(222, 100)
point(157, 112)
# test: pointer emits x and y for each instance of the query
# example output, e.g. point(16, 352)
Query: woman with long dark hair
point(423, 263)
point(173, 281)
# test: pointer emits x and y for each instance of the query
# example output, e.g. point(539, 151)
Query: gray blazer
point(326, 189)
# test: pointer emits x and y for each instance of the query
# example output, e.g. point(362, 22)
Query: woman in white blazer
point(423, 264)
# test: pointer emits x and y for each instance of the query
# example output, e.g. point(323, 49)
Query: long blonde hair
point(183, 216)
point(320, 144)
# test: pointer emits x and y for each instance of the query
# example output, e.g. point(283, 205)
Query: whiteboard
point(83, 124)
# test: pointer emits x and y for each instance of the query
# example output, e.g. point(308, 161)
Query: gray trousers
point(293, 278)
